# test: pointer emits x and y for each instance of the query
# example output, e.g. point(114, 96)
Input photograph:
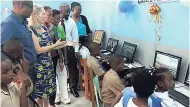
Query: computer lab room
point(95, 53)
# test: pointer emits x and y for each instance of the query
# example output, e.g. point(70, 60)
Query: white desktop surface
point(184, 90)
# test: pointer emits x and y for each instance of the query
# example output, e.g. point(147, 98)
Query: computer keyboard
point(179, 97)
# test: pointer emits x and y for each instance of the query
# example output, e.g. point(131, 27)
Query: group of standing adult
point(41, 36)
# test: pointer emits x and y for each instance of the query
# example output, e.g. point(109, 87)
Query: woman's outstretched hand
point(60, 43)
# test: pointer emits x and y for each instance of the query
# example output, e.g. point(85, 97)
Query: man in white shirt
point(71, 52)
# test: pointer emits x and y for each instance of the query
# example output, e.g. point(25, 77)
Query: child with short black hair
point(112, 84)
point(144, 85)
point(12, 93)
point(164, 81)
point(83, 49)
point(93, 62)
point(14, 49)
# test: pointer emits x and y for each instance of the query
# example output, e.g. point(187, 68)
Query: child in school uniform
point(15, 51)
point(83, 50)
point(112, 84)
point(144, 85)
point(164, 81)
point(93, 62)
point(14, 87)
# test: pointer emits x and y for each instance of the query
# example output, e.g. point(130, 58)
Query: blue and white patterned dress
point(45, 83)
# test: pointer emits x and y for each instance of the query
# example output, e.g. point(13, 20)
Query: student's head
point(48, 14)
point(14, 49)
point(55, 17)
point(6, 70)
point(143, 83)
point(116, 62)
point(76, 8)
point(37, 17)
point(164, 79)
point(64, 11)
point(83, 42)
point(94, 49)
point(23, 8)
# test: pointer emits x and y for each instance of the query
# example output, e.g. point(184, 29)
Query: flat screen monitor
point(112, 45)
point(187, 76)
point(128, 50)
point(169, 61)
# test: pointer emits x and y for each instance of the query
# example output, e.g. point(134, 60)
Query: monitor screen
point(169, 61)
point(112, 45)
point(187, 76)
point(128, 50)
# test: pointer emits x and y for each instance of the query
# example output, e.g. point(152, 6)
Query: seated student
point(93, 62)
point(83, 50)
point(15, 51)
point(111, 84)
point(118, 101)
point(164, 81)
point(144, 85)
point(156, 99)
point(13, 94)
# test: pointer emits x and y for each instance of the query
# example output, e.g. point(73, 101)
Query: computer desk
point(182, 89)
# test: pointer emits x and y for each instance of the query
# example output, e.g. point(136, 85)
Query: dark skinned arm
point(116, 100)
point(65, 55)
point(23, 97)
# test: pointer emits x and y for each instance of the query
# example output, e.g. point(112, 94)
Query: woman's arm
point(44, 49)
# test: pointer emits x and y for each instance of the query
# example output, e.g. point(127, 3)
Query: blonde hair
point(32, 21)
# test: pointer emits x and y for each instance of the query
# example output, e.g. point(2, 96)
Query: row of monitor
point(128, 49)
point(161, 59)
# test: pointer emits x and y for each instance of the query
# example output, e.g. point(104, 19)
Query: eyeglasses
point(15, 70)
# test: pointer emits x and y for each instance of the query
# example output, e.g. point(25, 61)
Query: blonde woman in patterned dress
point(45, 81)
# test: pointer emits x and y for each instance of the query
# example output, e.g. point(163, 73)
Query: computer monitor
point(128, 51)
point(187, 76)
point(112, 45)
point(169, 61)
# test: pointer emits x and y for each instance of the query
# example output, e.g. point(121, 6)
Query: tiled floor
point(77, 102)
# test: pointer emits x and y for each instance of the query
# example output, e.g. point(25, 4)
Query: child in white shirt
point(164, 81)
point(83, 50)
point(144, 85)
